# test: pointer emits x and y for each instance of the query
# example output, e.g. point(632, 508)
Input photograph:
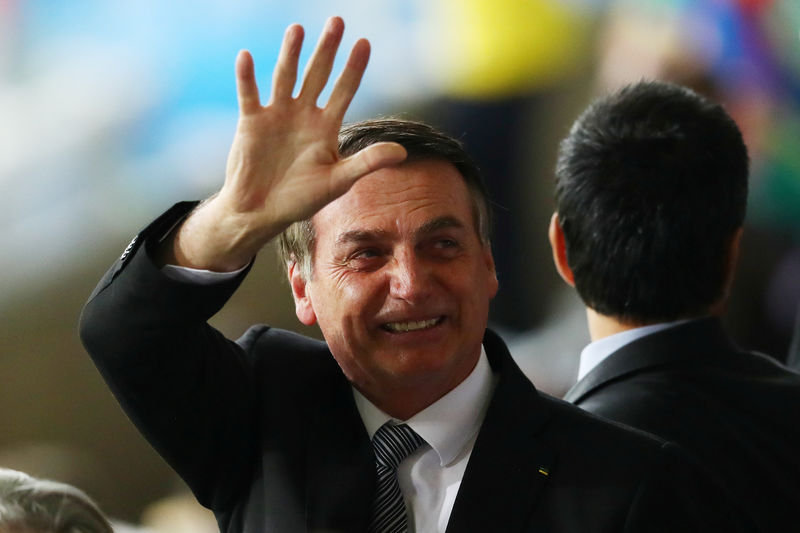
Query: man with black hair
point(651, 189)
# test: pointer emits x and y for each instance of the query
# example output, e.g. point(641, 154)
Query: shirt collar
point(449, 423)
point(597, 351)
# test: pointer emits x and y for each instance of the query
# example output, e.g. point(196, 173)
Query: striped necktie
point(391, 445)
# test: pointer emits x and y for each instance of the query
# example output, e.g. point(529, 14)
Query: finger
point(320, 65)
point(349, 80)
point(246, 87)
point(373, 157)
point(285, 75)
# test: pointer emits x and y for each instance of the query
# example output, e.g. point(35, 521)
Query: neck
point(403, 410)
point(403, 399)
point(601, 326)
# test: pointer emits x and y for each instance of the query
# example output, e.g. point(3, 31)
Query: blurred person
point(651, 188)
point(32, 505)
point(384, 230)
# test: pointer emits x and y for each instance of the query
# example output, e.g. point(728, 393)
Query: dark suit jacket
point(266, 433)
point(737, 412)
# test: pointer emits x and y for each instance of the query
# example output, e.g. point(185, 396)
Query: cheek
point(476, 288)
point(364, 294)
point(347, 302)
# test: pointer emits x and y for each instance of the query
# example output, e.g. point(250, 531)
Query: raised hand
point(284, 164)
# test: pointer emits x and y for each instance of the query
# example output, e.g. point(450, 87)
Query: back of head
point(31, 505)
point(651, 186)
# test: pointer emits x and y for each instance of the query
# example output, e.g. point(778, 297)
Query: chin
point(420, 365)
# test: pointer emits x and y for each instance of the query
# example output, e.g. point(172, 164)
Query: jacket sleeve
point(185, 386)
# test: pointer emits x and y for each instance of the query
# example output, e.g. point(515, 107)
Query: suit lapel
point(341, 471)
point(694, 340)
point(509, 466)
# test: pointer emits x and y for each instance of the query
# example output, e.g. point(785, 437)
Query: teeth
point(411, 326)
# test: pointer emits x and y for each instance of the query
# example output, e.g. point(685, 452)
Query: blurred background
point(111, 112)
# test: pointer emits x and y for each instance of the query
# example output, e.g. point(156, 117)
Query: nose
point(410, 278)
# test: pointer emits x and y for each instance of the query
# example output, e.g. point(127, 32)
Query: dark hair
point(421, 142)
point(651, 184)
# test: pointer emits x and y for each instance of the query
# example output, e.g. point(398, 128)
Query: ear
point(302, 302)
point(490, 270)
point(559, 248)
point(733, 258)
point(718, 307)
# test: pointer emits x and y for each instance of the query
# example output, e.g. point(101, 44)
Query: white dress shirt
point(198, 276)
point(430, 477)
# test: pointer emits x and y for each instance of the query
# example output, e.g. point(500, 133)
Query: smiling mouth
point(405, 327)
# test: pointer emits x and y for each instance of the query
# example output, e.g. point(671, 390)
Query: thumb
point(374, 157)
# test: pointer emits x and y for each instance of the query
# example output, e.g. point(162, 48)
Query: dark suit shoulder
point(570, 424)
point(571, 415)
point(743, 390)
point(281, 340)
point(271, 350)
point(605, 476)
point(737, 412)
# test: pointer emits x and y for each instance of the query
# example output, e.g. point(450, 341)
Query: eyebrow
point(359, 235)
point(432, 226)
point(436, 224)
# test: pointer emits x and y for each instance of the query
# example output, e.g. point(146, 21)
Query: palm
point(284, 164)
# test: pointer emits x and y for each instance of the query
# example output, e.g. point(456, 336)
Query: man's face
point(401, 281)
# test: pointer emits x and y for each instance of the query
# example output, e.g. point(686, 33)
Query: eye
point(365, 259)
point(366, 253)
point(446, 243)
point(444, 247)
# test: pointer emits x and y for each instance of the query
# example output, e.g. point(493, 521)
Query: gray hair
point(29, 504)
